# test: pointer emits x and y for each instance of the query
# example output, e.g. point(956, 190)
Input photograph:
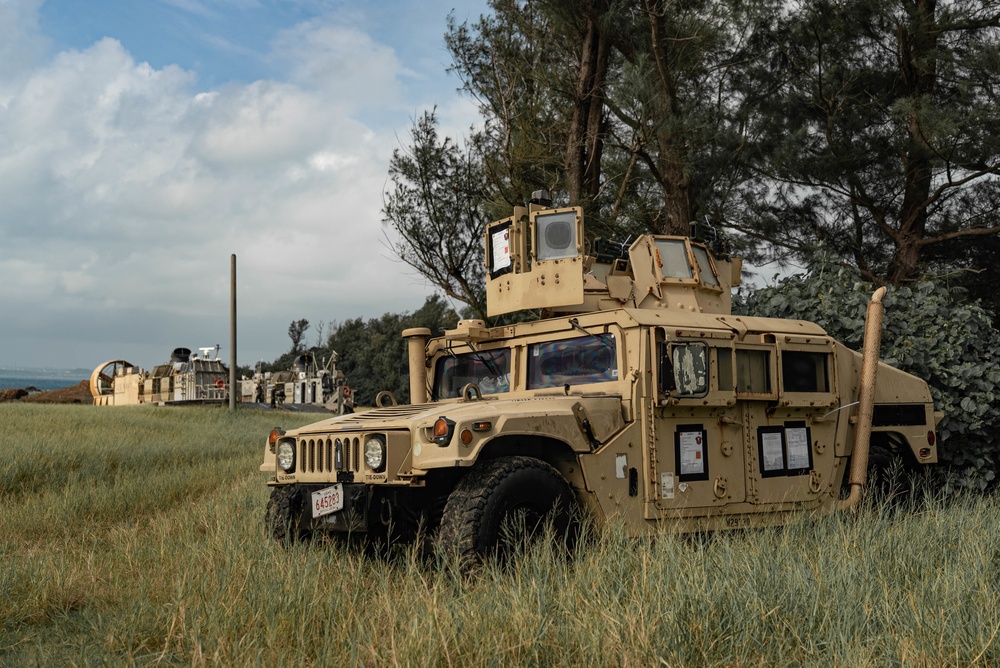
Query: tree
point(515, 64)
point(372, 353)
point(879, 132)
point(296, 332)
point(868, 127)
point(626, 106)
point(587, 126)
point(437, 209)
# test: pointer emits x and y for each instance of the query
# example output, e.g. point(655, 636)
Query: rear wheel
point(283, 516)
point(503, 502)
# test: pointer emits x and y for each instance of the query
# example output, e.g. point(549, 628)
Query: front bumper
point(370, 508)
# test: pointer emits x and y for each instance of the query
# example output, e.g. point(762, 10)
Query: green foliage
point(661, 81)
point(929, 331)
point(870, 126)
point(166, 562)
point(372, 354)
point(282, 363)
point(873, 127)
point(296, 332)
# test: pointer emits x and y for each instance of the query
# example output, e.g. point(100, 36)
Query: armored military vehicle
point(637, 398)
point(185, 378)
point(307, 383)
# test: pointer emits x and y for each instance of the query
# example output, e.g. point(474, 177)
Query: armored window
point(753, 371)
point(555, 236)
point(705, 271)
point(587, 359)
point(804, 371)
point(499, 255)
point(685, 372)
point(724, 367)
point(673, 255)
point(489, 369)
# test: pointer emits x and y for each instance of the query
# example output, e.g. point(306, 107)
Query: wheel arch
point(559, 454)
point(895, 445)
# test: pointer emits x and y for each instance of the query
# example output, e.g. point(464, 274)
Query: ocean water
point(43, 379)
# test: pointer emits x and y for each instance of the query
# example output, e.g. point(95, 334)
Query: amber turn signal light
point(443, 429)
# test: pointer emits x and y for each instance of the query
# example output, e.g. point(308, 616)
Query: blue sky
point(142, 143)
point(225, 41)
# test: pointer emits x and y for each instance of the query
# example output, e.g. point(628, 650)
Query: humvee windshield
point(590, 359)
point(489, 369)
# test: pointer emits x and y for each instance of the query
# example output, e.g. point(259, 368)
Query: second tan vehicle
point(639, 399)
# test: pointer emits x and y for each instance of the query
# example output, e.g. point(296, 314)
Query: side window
point(705, 272)
point(684, 372)
point(489, 369)
point(724, 365)
point(753, 371)
point(586, 359)
point(673, 255)
point(804, 371)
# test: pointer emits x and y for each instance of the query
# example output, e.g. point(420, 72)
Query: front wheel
point(283, 516)
point(503, 502)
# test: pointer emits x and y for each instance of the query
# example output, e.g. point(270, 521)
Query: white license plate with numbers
point(328, 500)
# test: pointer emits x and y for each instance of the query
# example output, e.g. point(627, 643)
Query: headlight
point(375, 453)
point(286, 455)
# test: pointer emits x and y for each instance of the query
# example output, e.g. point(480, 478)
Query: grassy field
point(134, 536)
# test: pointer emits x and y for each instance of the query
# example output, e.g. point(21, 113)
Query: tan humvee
point(639, 399)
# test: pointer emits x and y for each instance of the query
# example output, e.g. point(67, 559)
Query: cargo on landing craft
point(637, 398)
point(307, 383)
point(186, 379)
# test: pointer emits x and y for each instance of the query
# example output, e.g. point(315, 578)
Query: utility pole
point(232, 333)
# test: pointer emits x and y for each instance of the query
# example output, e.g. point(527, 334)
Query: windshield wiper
point(488, 363)
point(575, 324)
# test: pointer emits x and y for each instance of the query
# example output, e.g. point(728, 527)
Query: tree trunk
point(918, 67)
point(585, 141)
point(676, 211)
point(672, 161)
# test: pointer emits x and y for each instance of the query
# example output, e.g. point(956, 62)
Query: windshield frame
point(489, 369)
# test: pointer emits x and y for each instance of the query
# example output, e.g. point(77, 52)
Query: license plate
point(328, 500)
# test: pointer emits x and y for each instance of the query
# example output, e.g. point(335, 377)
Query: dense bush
point(929, 331)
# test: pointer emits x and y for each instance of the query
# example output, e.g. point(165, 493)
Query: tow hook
point(385, 513)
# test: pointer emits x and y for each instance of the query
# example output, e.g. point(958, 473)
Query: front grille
point(328, 455)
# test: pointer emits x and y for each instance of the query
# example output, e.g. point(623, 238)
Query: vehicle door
point(786, 391)
point(697, 458)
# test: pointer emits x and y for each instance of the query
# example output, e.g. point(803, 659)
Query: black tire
point(282, 519)
point(890, 474)
point(503, 502)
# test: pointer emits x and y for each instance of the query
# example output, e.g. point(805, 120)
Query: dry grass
point(134, 537)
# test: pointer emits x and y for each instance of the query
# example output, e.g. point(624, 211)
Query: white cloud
point(125, 191)
point(21, 45)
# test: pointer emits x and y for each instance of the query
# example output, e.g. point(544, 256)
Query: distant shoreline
point(43, 382)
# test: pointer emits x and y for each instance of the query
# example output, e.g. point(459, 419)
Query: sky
point(144, 143)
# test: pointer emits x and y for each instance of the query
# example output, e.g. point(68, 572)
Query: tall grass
point(134, 537)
